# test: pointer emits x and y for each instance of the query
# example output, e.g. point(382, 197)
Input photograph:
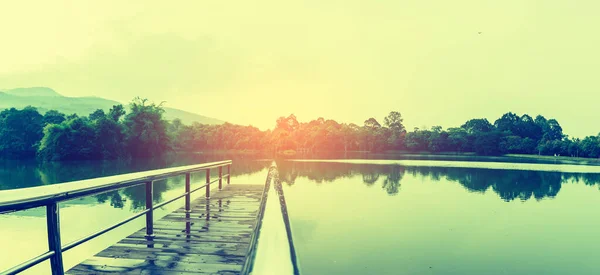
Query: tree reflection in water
point(137, 194)
point(15, 174)
point(508, 184)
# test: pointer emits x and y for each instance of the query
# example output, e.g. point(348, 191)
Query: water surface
point(350, 218)
point(357, 216)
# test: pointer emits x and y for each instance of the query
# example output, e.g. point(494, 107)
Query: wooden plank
point(188, 243)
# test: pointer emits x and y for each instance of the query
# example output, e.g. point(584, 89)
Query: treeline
point(510, 134)
point(142, 131)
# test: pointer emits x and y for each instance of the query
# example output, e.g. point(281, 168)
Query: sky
point(249, 62)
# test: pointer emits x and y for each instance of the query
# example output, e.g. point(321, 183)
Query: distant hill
point(47, 99)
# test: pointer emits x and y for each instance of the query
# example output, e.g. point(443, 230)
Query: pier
point(214, 234)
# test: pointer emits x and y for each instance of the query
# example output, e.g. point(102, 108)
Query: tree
point(527, 128)
point(458, 140)
point(349, 133)
point(54, 117)
point(20, 132)
point(397, 131)
point(438, 140)
point(372, 124)
point(289, 123)
point(116, 112)
point(553, 130)
point(96, 115)
point(590, 147)
point(110, 138)
point(487, 143)
point(146, 130)
point(508, 123)
point(417, 141)
point(371, 134)
point(394, 122)
point(73, 139)
point(478, 125)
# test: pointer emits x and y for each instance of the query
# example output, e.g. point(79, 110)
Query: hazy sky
point(249, 62)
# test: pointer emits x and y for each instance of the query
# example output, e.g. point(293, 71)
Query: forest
point(141, 131)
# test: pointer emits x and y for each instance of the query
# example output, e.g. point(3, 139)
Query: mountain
point(45, 99)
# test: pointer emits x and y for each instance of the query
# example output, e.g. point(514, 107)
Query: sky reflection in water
point(391, 219)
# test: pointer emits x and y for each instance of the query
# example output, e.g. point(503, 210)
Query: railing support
point(187, 191)
point(53, 226)
point(150, 213)
point(207, 184)
point(220, 178)
point(50, 199)
point(228, 174)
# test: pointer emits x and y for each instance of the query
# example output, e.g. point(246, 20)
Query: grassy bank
point(502, 158)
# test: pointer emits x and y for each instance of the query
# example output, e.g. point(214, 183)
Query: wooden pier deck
point(213, 239)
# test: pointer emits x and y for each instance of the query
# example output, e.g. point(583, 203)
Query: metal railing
point(251, 254)
point(272, 179)
point(49, 196)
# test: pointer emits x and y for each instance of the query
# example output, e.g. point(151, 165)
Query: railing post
point(53, 227)
point(149, 214)
point(187, 191)
point(220, 178)
point(228, 173)
point(207, 184)
point(207, 212)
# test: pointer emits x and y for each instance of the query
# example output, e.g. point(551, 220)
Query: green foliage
point(110, 134)
point(142, 132)
point(510, 133)
point(590, 147)
point(394, 122)
point(397, 131)
point(417, 141)
point(116, 112)
point(73, 139)
point(146, 129)
point(479, 125)
point(96, 115)
point(105, 136)
point(20, 132)
point(487, 143)
point(54, 117)
point(459, 140)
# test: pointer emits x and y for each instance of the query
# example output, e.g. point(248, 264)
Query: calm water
point(414, 219)
point(359, 217)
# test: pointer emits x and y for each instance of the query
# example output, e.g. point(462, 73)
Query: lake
point(359, 216)
point(442, 217)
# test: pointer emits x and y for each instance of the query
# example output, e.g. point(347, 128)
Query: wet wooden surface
point(213, 239)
